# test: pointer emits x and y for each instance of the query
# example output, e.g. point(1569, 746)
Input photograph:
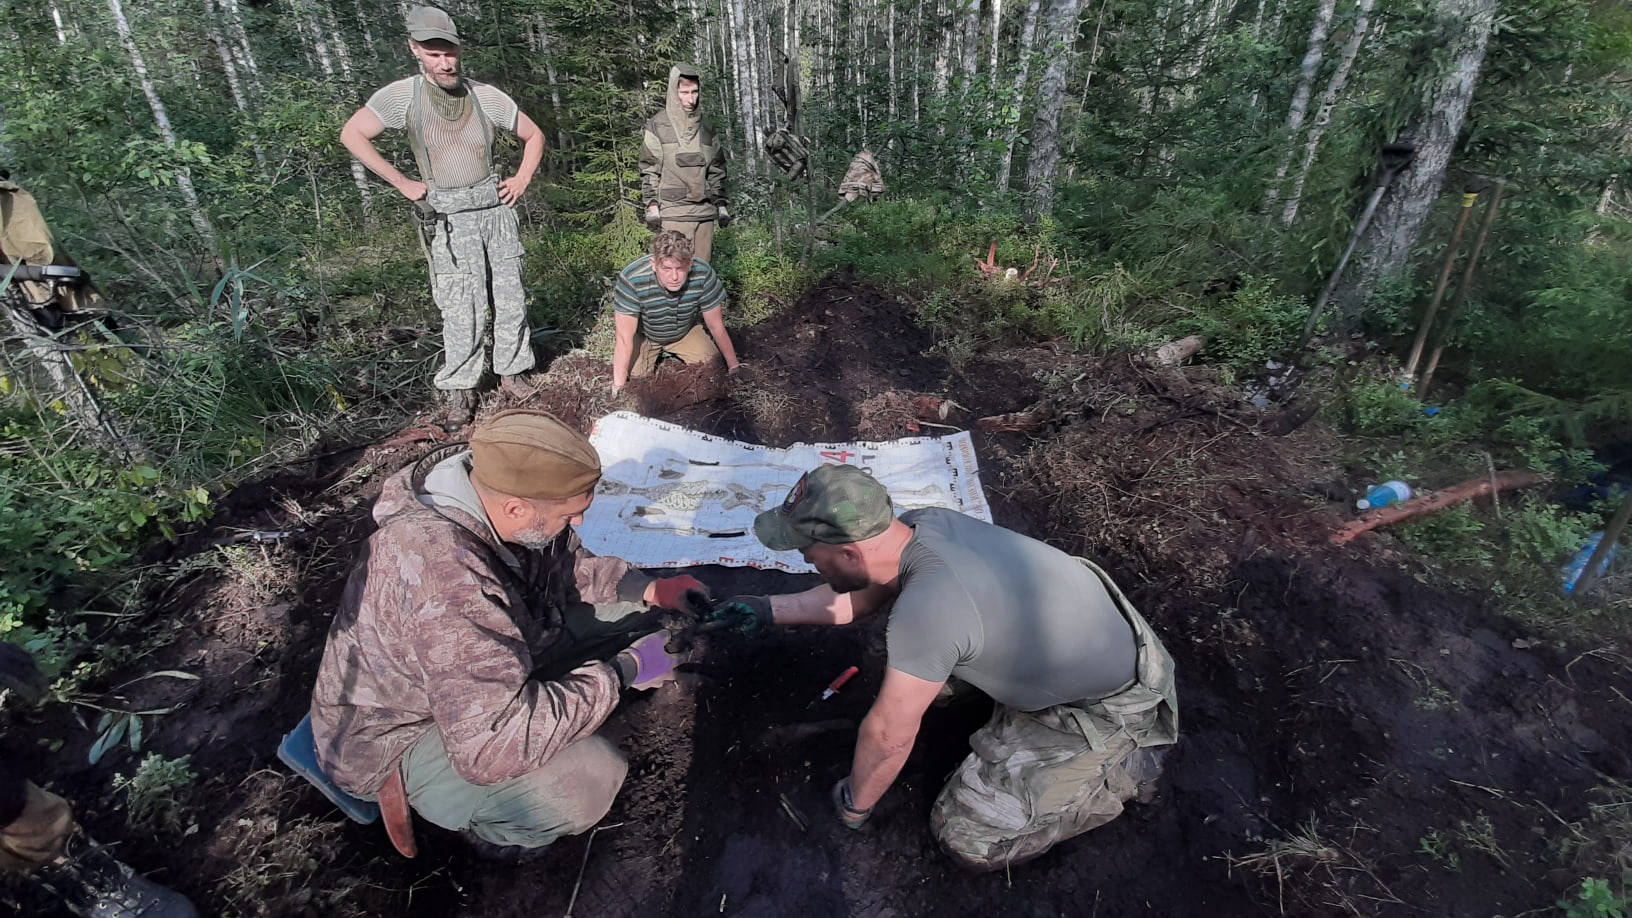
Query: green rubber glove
point(745, 613)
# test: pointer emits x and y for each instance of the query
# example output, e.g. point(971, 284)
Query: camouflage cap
point(836, 504)
point(427, 23)
point(532, 454)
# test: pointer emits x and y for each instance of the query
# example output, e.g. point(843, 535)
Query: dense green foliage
point(293, 304)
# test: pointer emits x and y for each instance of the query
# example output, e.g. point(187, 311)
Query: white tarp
point(671, 497)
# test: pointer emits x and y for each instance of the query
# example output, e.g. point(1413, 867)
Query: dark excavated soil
point(1319, 688)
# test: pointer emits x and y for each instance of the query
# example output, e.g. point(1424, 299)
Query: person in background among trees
point(661, 305)
point(38, 835)
point(1084, 688)
point(682, 166)
point(475, 249)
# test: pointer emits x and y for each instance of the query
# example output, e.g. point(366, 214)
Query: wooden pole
point(1612, 534)
point(1439, 287)
point(1461, 295)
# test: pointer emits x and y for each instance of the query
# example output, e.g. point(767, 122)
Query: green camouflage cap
point(427, 23)
point(836, 504)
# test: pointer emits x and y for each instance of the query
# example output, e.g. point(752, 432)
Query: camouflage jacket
point(437, 629)
point(682, 163)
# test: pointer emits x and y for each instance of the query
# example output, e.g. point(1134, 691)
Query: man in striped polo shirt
point(661, 305)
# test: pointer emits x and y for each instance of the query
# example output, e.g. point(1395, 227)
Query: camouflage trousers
point(700, 232)
point(37, 836)
point(475, 277)
point(1036, 778)
point(568, 794)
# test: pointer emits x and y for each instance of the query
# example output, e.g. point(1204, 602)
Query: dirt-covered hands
point(745, 613)
point(646, 664)
point(845, 806)
point(670, 592)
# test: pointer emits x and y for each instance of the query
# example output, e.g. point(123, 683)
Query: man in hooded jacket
point(682, 166)
point(478, 647)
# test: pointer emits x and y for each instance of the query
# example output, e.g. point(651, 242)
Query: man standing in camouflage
point(682, 166)
point(1084, 689)
point(475, 251)
point(478, 648)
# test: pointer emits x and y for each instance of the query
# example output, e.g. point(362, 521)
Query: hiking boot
point(495, 853)
point(95, 885)
point(457, 408)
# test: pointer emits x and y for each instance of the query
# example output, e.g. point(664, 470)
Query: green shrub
point(1250, 326)
point(1453, 536)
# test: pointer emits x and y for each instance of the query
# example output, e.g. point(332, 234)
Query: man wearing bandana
point(475, 247)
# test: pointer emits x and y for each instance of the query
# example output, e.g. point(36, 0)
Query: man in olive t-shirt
point(1084, 689)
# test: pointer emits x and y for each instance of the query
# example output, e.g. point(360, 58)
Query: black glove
point(745, 613)
point(654, 219)
point(19, 674)
point(723, 218)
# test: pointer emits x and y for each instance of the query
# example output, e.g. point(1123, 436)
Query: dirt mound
point(1356, 743)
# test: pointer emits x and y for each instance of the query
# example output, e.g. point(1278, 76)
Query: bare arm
point(532, 153)
point(887, 734)
point(714, 321)
point(623, 348)
point(822, 606)
point(358, 137)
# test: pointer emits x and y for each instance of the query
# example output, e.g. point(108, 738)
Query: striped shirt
point(460, 152)
point(666, 317)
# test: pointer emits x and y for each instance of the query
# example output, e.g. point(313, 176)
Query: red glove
point(670, 592)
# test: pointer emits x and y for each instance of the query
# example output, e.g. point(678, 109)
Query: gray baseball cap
point(427, 23)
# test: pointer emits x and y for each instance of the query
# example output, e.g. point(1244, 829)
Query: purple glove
point(646, 664)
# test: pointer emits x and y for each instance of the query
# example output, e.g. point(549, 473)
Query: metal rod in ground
point(1612, 534)
point(583, 865)
point(1395, 157)
point(1451, 251)
point(1461, 295)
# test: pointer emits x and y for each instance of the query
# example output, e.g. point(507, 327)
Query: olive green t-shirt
point(1023, 621)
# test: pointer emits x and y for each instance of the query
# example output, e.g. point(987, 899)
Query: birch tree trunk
point(1060, 30)
point(1323, 114)
point(230, 69)
point(890, 35)
point(1028, 36)
point(56, 19)
point(1385, 249)
point(184, 178)
point(325, 61)
point(1307, 72)
point(742, 66)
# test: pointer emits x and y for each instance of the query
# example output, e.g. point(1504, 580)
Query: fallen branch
point(1020, 421)
point(1442, 499)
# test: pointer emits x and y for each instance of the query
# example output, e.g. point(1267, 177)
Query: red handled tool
point(838, 683)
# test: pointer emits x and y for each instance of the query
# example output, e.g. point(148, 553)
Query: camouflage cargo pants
point(475, 276)
point(569, 793)
point(1036, 778)
point(701, 234)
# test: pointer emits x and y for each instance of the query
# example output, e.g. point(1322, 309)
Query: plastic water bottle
point(1578, 564)
point(1385, 494)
